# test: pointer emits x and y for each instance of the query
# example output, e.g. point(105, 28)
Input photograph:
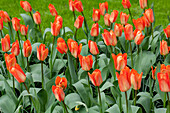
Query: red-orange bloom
point(147, 23)
point(61, 45)
point(153, 72)
point(79, 21)
point(149, 15)
point(118, 29)
point(164, 50)
point(86, 62)
point(5, 42)
point(124, 79)
point(78, 6)
point(124, 18)
point(120, 61)
point(1, 23)
point(167, 31)
point(103, 7)
point(95, 30)
point(107, 19)
point(42, 52)
point(59, 93)
point(74, 48)
point(55, 28)
point(128, 30)
point(143, 3)
point(113, 16)
point(15, 23)
point(126, 4)
point(27, 48)
point(10, 60)
point(136, 79)
point(139, 23)
point(96, 77)
point(37, 17)
point(71, 5)
point(24, 29)
point(61, 82)
point(164, 82)
point(4, 15)
point(138, 36)
point(96, 15)
point(26, 6)
point(15, 48)
point(93, 47)
point(52, 9)
point(59, 20)
point(109, 38)
point(165, 69)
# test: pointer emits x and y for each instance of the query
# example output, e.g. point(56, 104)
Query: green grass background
point(161, 9)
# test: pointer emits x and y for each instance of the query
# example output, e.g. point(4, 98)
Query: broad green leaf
point(42, 97)
point(58, 109)
point(71, 100)
point(144, 94)
point(145, 102)
point(105, 86)
point(28, 21)
point(160, 110)
point(59, 64)
point(84, 51)
point(167, 60)
point(114, 108)
point(112, 68)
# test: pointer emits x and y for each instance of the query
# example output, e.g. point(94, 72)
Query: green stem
point(51, 58)
point(111, 26)
point(164, 57)
point(131, 53)
point(31, 17)
point(135, 97)
point(147, 31)
point(1, 34)
point(115, 50)
point(126, 102)
point(74, 16)
point(111, 49)
point(25, 37)
point(11, 31)
point(164, 102)
point(42, 75)
point(100, 102)
point(96, 62)
point(75, 35)
point(27, 65)
point(152, 31)
point(153, 86)
point(65, 107)
point(39, 27)
point(168, 100)
point(130, 15)
point(13, 84)
point(138, 49)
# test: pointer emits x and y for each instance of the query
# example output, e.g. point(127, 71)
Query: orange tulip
point(18, 73)
point(164, 50)
point(59, 93)
point(5, 42)
point(86, 62)
point(93, 47)
point(42, 53)
point(136, 79)
point(126, 4)
point(61, 45)
point(143, 3)
point(55, 28)
point(27, 48)
point(23, 29)
point(124, 79)
point(96, 15)
point(128, 30)
point(78, 6)
point(59, 20)
point(153, 72)
point(37, 17)
point(124, 18)
point(96, 77)
point(113, 16)
point(138, 36)
point(26, 6)
point(4, 15)
point(10, 60)
point(164, 82)
point(15, 48)
point(95, 30)
point(52, 9)
point(118, 29)
point(149, 15)
point(139, 24)
point(103, 7)
point(1, 23)
point(109, 38)
point(61, 82)
point(167, 31)
point(120, 61)
point(74, 48)
point(71, 5)
point(79, 21)
point(165, 69)
point(16, 24)
point(107, 19)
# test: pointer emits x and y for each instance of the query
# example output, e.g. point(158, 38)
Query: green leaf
point(57, 67)
point(71, 100)
point(112, 68)
point(144, 94)
point(160, 110)
point(84, 51)
point(28, 21)
point(145, 102)
point(105, 86)
point(45, 32)
point(167, 60)
point(114, 108)
point(58, 109)
point(42, 97)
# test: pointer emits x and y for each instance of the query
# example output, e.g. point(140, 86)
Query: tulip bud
point(96, 77)
point(139, 24)
point(16, 24)
point(149, 15)
point(138, 36)
point(10, 60)
point(79, 21)
point(61, 45)
point(109, 38)
point(4, 16)
point(164, 82)
point(61, 82)
point(113, 16)
point(103, 7)
point(5, 42)
point(37, 17)
point(78, 6)
point(24, 29)
point(59, 20)
point(26, 6)
point(126, 4)
point(124, 18)
point(118, 29)
point(1, 23)
point(52, 9)
point(27, 48)
point(42, 53)
point(153, 72)
point(59, 93)
point(164, 50)
point(167, 31)
point(95, 30)
point(86, 62)
point(128, 30)
point(93, 47)
point(55, 28)
point(143, 3)
point(96, 15)
point(15, 48)
point(107, 19)
point(71, 5)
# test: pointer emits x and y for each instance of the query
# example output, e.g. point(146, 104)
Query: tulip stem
point(42, 75)
point(26, 87)
point(96, 62)
point(27, 65)
point(11, 31)
point(100, 102)
point(126, 102)
point(164, 57)
point(111, 26)
point(39, 27)
point(130, 15)
point(74, 16)
point(1, 34)
point(138, 49)
point(51, 66)
point(135, 97)
point(31, 17)
point(152, 31)
point(131, 54)
point(13, 84)
point(75, 35)
point(115, 50)
point(153, 86)
point(168, 100)
point(111, 49)
point(65, 107)
point(25, 37)
point(147, 31)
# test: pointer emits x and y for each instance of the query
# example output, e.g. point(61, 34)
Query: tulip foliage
point(119, 68)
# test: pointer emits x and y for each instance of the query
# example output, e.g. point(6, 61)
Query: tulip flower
point(124, 18)
point(95, 30)
point(78, 6)
point(79, 21)
point(71, 5)
point(61, 45)
point(18, 73)
point(86, 62)
point(109, 38)
point(113, 16)
point(15, 48)
point(153, 72)
point(42, 52)
point(93, 47)
point(149, 15)
point(37, 17)
point(167, 31)
point(96, 15)
point(24, 29)
point(1, 23)
point(164, 50)
point(52, 9)
point(5, 42)
point(26, 6)
point(143, 3)
point(120, 61)
point(16, 23)
point(138, 36)
point(59, 19)
point(139, 23)
point(164, 82)
point(96, 77)
point(10, 60)
point(103, 8)
point(4, 15)
point(107, 19)
point(27, 48)
point(74, 48)
point(59, 93)
point(55, 28)
point(128, 30)
point(165, 69)
point(61, 82)
point(118, 29)
point(126, 4)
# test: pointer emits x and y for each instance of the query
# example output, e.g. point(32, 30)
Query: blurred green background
point(161, 9)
